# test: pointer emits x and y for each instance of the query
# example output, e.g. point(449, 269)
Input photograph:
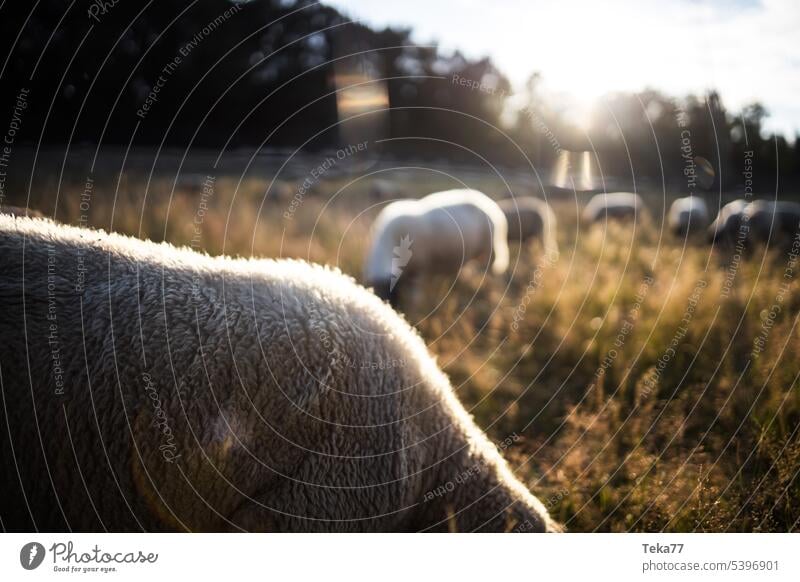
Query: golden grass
point(609, 442)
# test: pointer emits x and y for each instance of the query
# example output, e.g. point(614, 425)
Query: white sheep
point(775, 222)
point(613, 205)
point(741, 224)
point(436, 234)
point(530, 218)
point(147, 387)
point(686, 215)
point(727, 226)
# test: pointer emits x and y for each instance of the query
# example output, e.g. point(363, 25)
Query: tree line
point(265, 73)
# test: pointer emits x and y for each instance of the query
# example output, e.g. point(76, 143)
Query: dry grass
point(710, 443)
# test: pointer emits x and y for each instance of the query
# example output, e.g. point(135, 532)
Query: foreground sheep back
point(726, 226)
point(435, 235)
point(171, 390)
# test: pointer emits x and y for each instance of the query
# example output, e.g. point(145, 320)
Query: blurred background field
point(709, 444)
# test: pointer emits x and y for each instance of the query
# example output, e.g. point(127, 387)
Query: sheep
point(21, 211)
point(773, 222)
point(741, 224)
point(435, 234)
point(147, 387)
point(689, 214)
point(530, 218)
point(726, 228)
point(614, 205)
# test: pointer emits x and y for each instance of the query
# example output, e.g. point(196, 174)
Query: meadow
point(645, 382)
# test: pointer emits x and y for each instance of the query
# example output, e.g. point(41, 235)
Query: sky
point(747, 50)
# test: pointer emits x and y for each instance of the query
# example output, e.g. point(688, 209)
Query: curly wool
point(153, 388)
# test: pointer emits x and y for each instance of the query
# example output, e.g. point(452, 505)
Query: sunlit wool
point(739, 225)
point(687, 214)
point(433, 235)
point(20, 211)
point(211, 393)
point(614, 205)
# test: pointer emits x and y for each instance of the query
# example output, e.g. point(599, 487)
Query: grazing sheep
point(614, 205)
point(726, 228)
point(741, 224)
point(686, 215)
point(773, 222)
point(436, 234)
point(530, 218)
point(20, 211)
point(146, 387)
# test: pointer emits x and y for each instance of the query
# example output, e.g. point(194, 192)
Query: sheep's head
point(728, 224)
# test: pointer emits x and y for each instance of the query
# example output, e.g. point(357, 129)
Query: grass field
point(651, 384)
